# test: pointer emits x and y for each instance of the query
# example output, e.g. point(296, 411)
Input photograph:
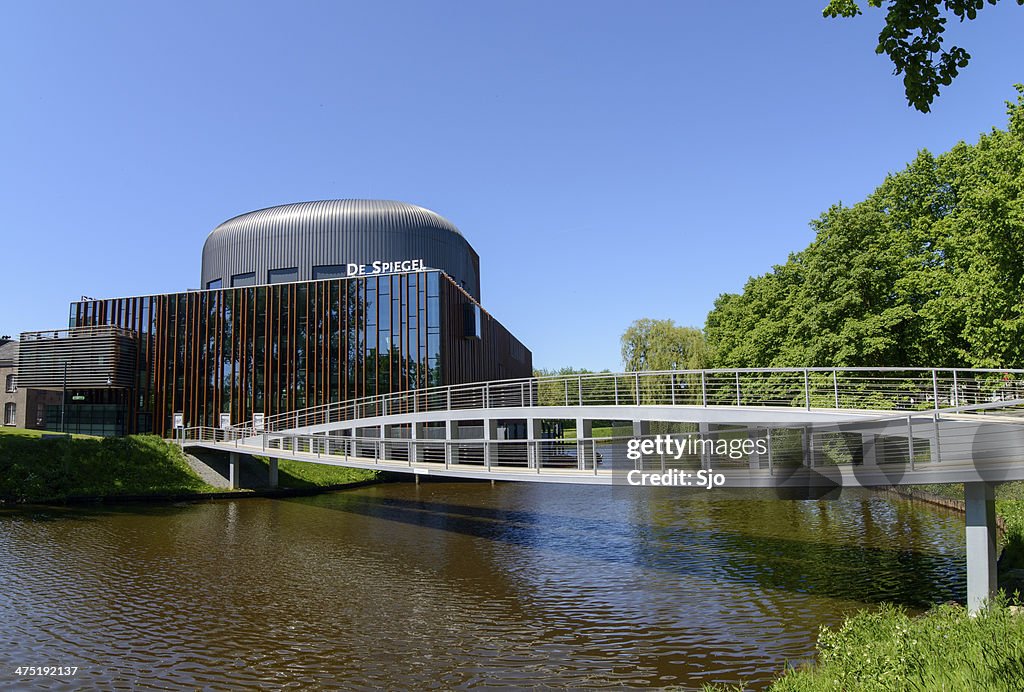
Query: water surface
point(456, 585)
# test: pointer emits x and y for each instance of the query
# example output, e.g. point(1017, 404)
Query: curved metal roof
point(341, 214)
point(333, 233)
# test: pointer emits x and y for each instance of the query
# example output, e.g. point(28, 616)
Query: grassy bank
point(945, 649)
point(303, 475)
point(33, 469)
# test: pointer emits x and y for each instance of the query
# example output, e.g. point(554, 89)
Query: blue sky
point(608, 161)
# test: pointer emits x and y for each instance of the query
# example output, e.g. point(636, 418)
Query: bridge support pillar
point(415, 434)
point(490, 436)
point(584, 447)
point(754, 458)
point(451, 433)
point(534, 433)
point(272, 472)
point(705, 434)
point(234, 470)
point(867, 445)
point(981, 543)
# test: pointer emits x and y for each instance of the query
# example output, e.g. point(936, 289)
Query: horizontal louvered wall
point(96, 357)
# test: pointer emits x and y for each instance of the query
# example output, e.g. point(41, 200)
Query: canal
point(448, 585)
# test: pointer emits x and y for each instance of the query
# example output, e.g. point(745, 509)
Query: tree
point(927, 271)
point(662, 345)
point(912, 38)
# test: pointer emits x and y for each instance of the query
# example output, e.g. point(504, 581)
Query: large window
point(283, 276)
point(329, 271)
point(10, 413)
point(471, 320)
point(216, 283)
point(247, 279)
point(11, 385)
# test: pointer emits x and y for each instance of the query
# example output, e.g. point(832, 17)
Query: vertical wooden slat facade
point(275, 348)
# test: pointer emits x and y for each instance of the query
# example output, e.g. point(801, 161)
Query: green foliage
point(33, 469)
point(566, 371)
point(926, 271)
point(912, 38)
point(300, 474)
point(662, 345)
point(945, 649)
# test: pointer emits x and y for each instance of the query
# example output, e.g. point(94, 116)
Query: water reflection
point(457, 585)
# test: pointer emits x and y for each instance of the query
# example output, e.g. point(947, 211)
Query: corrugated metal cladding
point(331, 232)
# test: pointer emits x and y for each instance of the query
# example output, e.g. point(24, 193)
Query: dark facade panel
point(337, 233)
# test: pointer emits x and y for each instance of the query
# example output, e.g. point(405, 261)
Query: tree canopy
point(912, 38)
point(662, 345)
point(927, 271)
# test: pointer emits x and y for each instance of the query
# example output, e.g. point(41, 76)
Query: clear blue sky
point(608, 161)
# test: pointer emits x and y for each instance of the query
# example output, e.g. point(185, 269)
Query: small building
point(21, 406)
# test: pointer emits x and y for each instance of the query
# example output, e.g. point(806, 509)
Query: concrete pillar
point(806, 451)
point(584, 448)
point(981, 543)
point(754, 458)
point(234, 470)
point(490, 436)
point(867, 445)
point(415, 434)
point(534, 433)
point(641, 429)
point(272, 473)
point(705, 455)
point(451, 433)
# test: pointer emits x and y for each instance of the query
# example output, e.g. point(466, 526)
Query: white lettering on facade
point(381, 267)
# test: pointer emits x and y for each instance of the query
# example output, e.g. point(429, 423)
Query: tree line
point(928, 270)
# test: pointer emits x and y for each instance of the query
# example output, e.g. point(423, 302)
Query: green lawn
point(35, 434)
point(33, 469)
point(301, 474)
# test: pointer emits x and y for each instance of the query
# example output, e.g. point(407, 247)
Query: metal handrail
point(925, 440)
point(844, 388)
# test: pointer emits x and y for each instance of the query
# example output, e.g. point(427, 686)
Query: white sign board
point(225, 421)
point(257, 422)
point(179, 420)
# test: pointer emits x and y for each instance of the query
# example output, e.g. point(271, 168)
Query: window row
point(283, 276)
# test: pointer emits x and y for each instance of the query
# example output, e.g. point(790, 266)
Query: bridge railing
point(974, 434)
point(910, 389)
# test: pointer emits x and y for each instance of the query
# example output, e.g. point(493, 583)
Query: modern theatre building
point(301, 305)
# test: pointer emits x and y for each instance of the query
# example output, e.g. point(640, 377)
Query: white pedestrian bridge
point(797, 432)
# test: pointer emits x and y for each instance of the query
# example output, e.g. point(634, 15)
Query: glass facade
point(277, 348)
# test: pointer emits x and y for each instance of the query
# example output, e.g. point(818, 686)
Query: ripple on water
point(456, 585)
